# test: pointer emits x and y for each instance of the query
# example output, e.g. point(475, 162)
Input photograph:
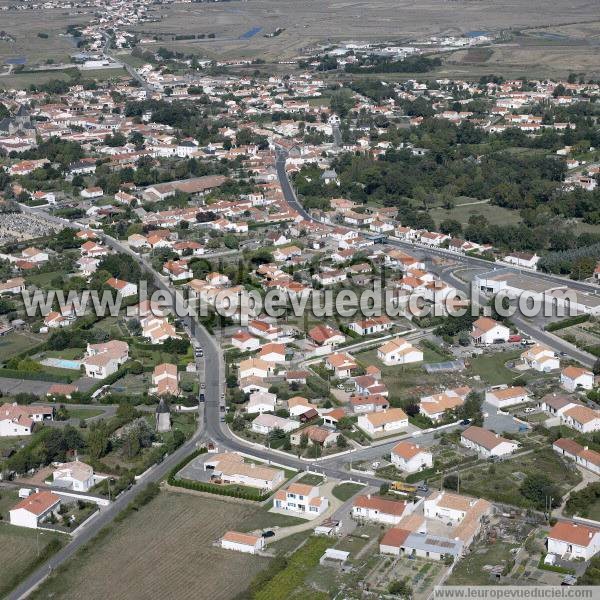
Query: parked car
point(202, 398)
point(267, 534)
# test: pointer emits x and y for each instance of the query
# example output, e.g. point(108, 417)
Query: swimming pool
point(62, 363)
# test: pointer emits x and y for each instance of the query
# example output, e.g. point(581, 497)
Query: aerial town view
point(299, 301)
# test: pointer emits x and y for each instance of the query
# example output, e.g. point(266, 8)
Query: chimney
point(368, 496)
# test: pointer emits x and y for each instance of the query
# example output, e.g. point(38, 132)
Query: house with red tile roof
point(379, 510)
point(410, 457)
point(572, 541)
point(33, 510)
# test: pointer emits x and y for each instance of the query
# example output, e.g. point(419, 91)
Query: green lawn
point(345, 491)
point(311, 479)
point(83, 413)
point(491, 367)
point(42, 280)
point(264, 519)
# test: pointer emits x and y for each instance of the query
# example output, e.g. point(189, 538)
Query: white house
point(379, 510)
point(301, 500)
point(102, 360)
point(371, 325)
point(435, 406)
point(75, 475)
point(581, 418)
point(124, 288)
point(298, 406)
point(255, 367)
point(17, 419)
point(487, 443)
point(507, 396)
point(410, 457)
point(12, 286)
point(522, 259)
point(399, 352)
point(582, 455)
point(571, 540)
point(540, 358)
point(265, 423)
point(487, 331)
point(245, 342)
point(34, 509)
point(383, 423)
point(261, 402)
point(572, 378)
point(242, 542)
point(273, 352)
point(230, 468)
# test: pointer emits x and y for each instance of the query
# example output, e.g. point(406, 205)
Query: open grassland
point(470, 570)
point(15, 343)
point(24, 25)
point(496, 215)
point(501, 482)
point(163, 551)
point(235, 25)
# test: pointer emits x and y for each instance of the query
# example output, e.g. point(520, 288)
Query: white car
point(375, 465)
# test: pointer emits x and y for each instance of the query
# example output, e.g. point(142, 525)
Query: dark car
point(465, 422)
point(268, 534)
point(202, 398)
point(222, 408)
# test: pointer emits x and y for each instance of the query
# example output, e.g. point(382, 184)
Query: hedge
point(419, 475)
point(211, 488)
point(555, 568)
point(35, 376)
point(567, 322)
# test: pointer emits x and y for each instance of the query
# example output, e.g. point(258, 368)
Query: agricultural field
point(238, 30)
point(546, 53)
point(167, 545)
point(19, 547)
point(25, 25)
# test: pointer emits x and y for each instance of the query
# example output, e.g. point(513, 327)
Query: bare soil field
point(163, 551)
point(239, 27)
point(24, 25)
point(527, 55)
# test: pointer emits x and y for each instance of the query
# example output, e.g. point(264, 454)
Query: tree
point(451, 227)
point(384, 488)
point(400, 588)
point(303, 441)
point(341, 442)
point(596, 367)
point(471, 409)
point(541, 490)
point(98, 440)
